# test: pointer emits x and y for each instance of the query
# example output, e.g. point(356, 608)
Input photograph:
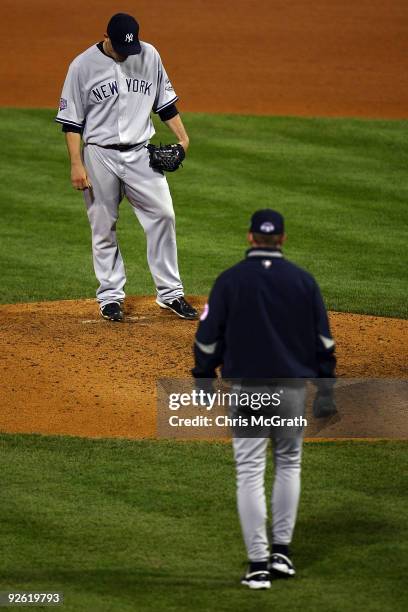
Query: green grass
point(147, 525)
point(340, 183)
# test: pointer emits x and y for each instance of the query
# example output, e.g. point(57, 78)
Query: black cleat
point(112, 312)
point(259, 579)
point(280, 566)
point(180, 307)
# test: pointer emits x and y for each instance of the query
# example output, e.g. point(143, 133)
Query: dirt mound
point(64, 370)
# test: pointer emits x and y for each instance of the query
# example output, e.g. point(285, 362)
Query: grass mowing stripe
point(152, 525)
point(341, 184)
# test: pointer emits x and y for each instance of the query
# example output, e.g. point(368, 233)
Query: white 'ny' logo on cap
point(129, 38)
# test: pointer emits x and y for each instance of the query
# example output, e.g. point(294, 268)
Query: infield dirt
point(65, 370)
point(285, 58)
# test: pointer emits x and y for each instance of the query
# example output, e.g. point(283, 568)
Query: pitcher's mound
point(67, 371)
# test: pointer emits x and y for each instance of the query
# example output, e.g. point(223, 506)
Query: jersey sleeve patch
point(205, 312)
point(63, 104)
point(168, 86)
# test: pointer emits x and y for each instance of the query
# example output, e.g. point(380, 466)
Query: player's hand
point(205, 387)
point(324, 405)
point(184, 144)
point(79, 177)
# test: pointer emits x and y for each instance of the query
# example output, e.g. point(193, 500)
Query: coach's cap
point(123, 30)
point(267, 221)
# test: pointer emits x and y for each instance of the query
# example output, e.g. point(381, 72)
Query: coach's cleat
point(281, 566)
point(112, 311)
point(180, 307)
point(257, 576)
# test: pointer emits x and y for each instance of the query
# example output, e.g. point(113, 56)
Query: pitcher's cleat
point(180, 307)
point(112, 312)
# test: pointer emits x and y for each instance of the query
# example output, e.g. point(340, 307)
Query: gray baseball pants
point(114, 174)
point(250, 458)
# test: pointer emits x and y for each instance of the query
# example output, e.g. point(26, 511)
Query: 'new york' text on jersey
point(112, 101)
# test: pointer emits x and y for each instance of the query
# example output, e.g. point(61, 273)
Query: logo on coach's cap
point(267, 221)
point(267, 227)
point(123, 31)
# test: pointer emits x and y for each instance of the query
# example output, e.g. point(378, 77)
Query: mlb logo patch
point(267, 227)
point(63, 104)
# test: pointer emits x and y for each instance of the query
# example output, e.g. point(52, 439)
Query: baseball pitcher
point(106, 102)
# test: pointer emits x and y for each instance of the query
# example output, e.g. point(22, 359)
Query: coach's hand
point(79, 177)
point(324, 405)
point(205, 387)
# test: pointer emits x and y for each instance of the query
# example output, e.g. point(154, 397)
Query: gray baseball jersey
point(112, 101)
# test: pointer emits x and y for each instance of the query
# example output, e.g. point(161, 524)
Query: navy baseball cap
point(267, 221)
point(123, 30)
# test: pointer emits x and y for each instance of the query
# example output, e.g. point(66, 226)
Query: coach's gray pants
point(250, 457)
point(114, 174)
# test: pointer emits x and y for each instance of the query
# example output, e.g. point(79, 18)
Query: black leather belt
point(120, 147)
point(117, 147)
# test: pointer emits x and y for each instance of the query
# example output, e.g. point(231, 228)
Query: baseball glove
point(166, 158)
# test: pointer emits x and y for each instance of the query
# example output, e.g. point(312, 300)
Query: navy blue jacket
point(265, 318)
